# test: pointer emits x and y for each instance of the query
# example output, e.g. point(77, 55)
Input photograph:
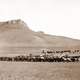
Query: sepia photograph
point(39, 39)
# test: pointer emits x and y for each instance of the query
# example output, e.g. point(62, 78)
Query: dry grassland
point(39, 71)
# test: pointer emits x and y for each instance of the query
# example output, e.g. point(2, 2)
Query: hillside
point(16, 33)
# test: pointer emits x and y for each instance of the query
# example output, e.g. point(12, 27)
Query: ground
point(39, 71)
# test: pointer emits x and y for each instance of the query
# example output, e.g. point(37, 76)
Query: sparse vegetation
point(39, 71)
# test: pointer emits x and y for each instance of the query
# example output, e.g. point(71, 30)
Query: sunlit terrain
point(39, 71)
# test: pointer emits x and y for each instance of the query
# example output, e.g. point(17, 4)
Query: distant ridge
point(17, 33)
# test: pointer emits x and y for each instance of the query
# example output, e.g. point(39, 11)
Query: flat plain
point(39, 71)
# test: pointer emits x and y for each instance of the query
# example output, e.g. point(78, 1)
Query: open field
point(39, 71)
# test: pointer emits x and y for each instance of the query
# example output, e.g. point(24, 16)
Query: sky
point(55, 17)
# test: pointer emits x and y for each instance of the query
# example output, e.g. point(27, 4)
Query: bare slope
point(17, 33)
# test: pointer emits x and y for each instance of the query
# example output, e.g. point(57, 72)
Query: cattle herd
point(46, 56)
